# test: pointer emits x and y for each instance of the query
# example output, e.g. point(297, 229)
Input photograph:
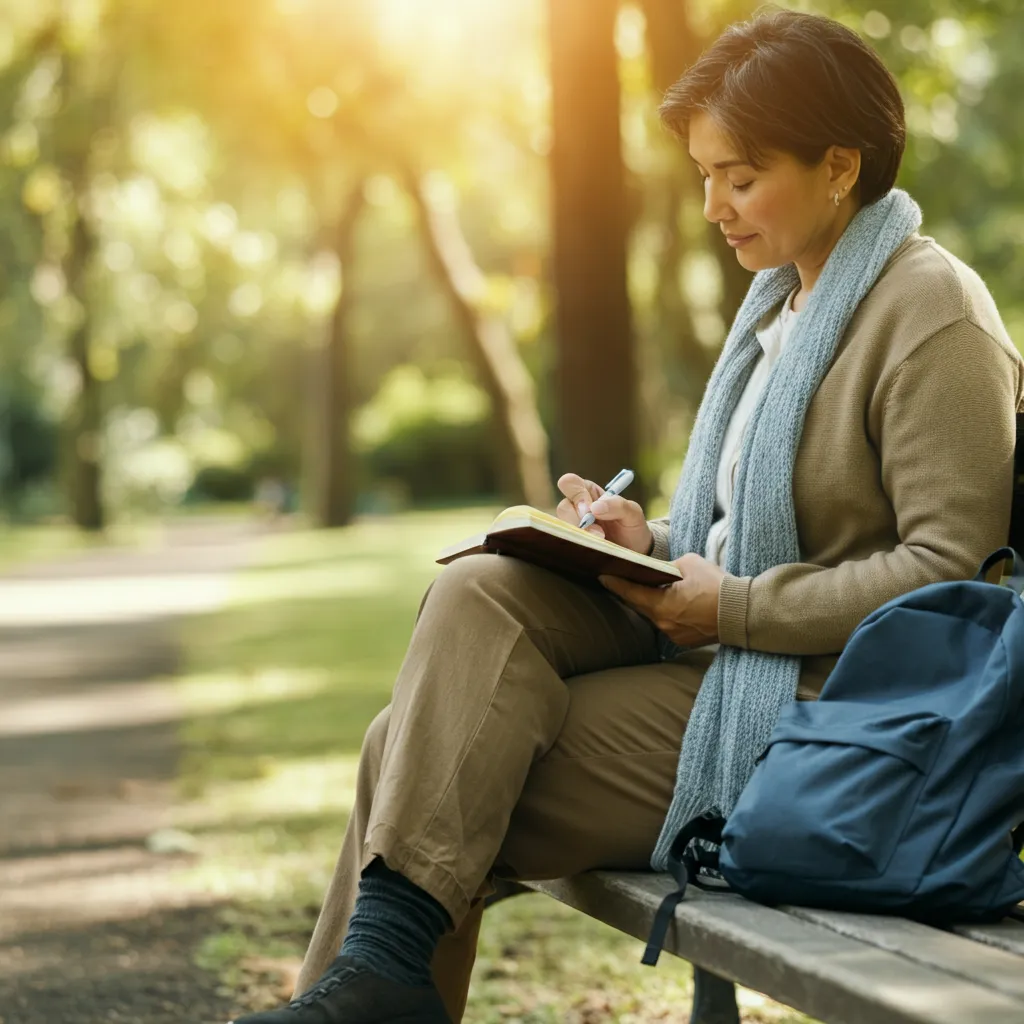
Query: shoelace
point(325, 986)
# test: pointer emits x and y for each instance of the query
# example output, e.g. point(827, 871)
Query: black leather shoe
point(350, 993)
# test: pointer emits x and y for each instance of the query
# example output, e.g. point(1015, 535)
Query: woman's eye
point(743, 187)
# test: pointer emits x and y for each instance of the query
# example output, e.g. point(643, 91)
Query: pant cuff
point(384, 841)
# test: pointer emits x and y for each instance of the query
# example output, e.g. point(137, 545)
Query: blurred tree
point(336, 479)
point(72, 70)
point(596, 377)
point(961, 75)
point(84, 424)
point(329, 107)
point(672, 45)
point(675, 43)
point(170, 244)
point(521, 435)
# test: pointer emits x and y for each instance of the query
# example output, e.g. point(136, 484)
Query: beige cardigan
point(905, 467)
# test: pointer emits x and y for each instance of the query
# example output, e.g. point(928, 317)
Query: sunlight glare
point(443, 26)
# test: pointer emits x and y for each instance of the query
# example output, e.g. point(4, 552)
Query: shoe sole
point(415, 1019)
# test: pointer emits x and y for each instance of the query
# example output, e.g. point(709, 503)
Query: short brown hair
point(796, 83)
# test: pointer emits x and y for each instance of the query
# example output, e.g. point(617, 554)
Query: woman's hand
point(618, 519)
point(687, 611)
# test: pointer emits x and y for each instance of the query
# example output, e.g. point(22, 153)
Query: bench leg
point(714, 999)
point(504, 888)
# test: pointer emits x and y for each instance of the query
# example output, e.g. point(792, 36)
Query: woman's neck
point(810, 266)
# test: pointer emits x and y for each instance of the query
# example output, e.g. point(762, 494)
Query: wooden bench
point(841, 968)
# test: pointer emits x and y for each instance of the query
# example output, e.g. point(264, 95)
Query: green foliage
point(426, 439)
point(221, 483)
point(211, 146)
point(433, 461)
point(28, 447)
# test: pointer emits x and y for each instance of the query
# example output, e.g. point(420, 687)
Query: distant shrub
point(221, 483)
point(32, 437)
point(428, 438)
point(28, 449)
point(434, 461)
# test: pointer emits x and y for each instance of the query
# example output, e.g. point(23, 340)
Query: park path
point(92, 927)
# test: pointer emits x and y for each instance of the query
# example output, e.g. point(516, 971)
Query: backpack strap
point(1016, 580)
point(684, 866)
point(1017, 837)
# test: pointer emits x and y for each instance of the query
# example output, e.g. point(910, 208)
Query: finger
point(575, 490)
point(615, 507)
point(632, 593)
point(690, 562)
point(579, 491)
point(594, 491)
point(566, 511)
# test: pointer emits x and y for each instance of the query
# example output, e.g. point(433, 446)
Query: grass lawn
point(281, 686)
point(20, 544)
point(33, 543)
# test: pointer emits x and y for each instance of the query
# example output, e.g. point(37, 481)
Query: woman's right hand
point(618, 519)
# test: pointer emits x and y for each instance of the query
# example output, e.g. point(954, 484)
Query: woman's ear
point(843, 165)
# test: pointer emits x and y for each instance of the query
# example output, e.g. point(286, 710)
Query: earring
point(836, 198)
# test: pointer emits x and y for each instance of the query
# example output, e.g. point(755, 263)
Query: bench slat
point(812, 968)
point(1008, 935)
point(952, 954)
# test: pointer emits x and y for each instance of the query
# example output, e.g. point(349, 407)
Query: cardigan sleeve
point(946, 448)
point(659, 530)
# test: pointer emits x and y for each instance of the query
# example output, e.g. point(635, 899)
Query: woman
point(855, 442)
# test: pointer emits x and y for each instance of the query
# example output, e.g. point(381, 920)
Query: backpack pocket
point(833, 792)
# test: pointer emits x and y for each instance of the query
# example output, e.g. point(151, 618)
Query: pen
point(616, 485)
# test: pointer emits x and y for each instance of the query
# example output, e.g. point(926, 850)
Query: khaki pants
point(532, 733)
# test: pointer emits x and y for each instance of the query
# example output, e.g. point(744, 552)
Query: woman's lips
point(738, 241)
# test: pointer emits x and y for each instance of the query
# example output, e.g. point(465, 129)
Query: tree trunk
point(523, 455)
point(596, 372)
point(697, 358)
point(672, 42)
point(85, 421)
point(335, 486)
point(674, 45)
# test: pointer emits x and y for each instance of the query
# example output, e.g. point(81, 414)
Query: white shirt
point(773, 335)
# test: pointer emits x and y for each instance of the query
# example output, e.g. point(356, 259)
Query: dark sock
point(395, 926)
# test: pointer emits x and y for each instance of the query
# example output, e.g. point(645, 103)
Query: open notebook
point(534, 536)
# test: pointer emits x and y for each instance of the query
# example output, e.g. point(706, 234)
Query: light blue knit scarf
point(743, 690)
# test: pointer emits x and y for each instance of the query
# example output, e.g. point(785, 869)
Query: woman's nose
point(716, 208)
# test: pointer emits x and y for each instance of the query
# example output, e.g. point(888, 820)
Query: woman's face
point(782, 214)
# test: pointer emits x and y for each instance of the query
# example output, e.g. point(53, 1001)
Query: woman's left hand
point(687, 611)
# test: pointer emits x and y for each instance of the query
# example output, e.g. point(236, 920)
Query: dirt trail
point(92, 926)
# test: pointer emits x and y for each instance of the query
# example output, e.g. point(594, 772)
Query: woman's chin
point(750, 259)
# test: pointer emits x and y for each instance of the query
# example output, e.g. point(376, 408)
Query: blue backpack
point(901, 790)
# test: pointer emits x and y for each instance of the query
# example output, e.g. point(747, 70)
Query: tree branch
point(505, 375)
